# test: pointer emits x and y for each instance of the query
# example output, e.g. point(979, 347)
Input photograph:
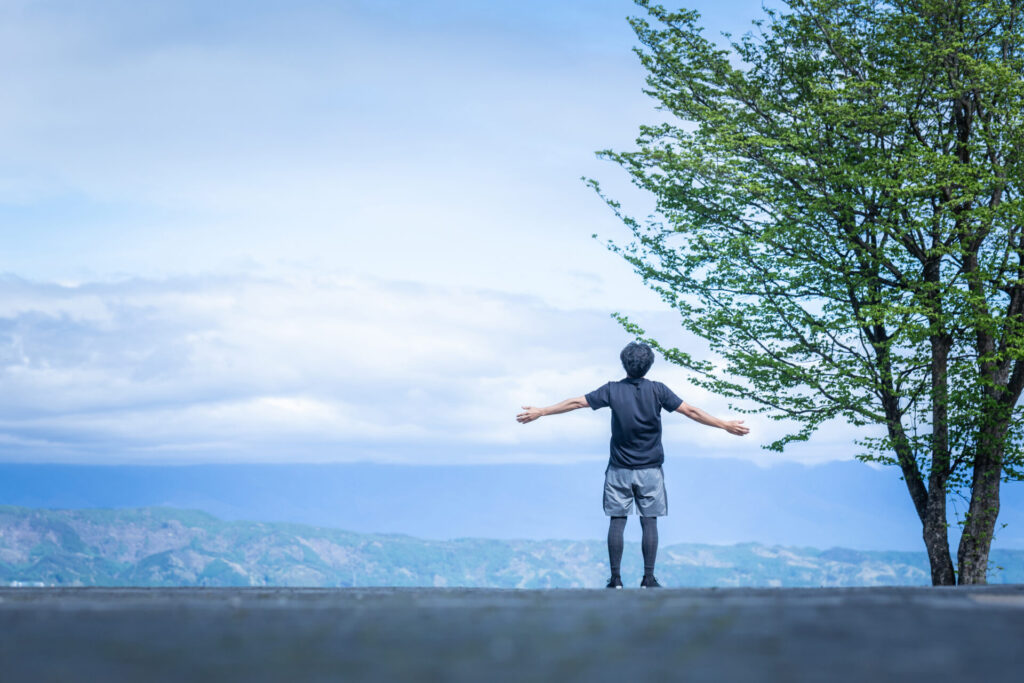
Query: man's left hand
point(529, 414)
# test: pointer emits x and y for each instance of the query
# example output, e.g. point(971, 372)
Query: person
point(634, 471)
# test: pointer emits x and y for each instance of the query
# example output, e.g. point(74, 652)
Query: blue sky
point(331, 232)
point(324, 231)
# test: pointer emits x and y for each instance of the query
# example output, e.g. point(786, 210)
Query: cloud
point(190, 137)
point(340, 367)
point(431, 154)
point(253, 364)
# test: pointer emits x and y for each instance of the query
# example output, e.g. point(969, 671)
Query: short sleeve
point(669, 401)
point(599, 398)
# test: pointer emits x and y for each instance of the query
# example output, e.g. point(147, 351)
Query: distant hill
point(171, 547)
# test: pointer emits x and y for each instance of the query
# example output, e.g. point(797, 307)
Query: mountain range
point(158, 546)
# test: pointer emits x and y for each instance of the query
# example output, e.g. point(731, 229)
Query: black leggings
point(649, 544)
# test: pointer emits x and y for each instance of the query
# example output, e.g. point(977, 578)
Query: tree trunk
point(976, 541)
point(936, 540)
point(929, 504)
point(934, 526)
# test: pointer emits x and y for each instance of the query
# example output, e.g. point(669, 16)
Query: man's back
point(634, 473)
point(636, 405)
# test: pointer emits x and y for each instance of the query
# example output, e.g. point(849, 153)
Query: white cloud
point(343, 360)
point(146, 144)
point(318, 136)
point(313, 367)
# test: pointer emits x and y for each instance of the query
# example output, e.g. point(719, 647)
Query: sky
point(324, 232)
point(337, 232)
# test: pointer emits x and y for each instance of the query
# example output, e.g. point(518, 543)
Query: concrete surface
point(627, 636)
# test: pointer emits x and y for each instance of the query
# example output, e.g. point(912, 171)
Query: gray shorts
point(647, 486)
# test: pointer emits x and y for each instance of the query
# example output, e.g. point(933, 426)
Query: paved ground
point(628, 636)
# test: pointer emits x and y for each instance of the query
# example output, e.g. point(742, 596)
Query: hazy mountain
point(714, 501)
point(167, 547)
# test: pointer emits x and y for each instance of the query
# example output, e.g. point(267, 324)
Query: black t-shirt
point(636, 419)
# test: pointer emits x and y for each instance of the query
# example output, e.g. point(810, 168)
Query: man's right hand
point(697, 415)
point(736, 427)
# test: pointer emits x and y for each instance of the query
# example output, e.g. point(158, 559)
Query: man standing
point(634, 466)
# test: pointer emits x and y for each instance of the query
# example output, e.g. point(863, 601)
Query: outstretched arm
point(530, 413)
point(694, 413)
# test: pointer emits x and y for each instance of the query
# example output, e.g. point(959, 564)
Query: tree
point(839, 214)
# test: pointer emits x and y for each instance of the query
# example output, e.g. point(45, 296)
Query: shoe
point(614, 582)
point(650, 582)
